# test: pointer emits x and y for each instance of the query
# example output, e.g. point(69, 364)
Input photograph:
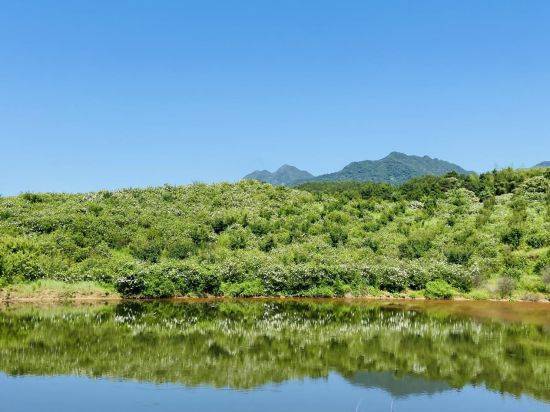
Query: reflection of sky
point(60, 394)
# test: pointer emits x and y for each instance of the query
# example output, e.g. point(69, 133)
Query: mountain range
point(395, 168)
point(543, 164)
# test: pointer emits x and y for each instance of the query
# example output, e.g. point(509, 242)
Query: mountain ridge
point(395, 168)
point(285, 175)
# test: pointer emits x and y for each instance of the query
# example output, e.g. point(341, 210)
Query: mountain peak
point(284, 175)
point(395, 168)
point(285, 168)
point(395, 154)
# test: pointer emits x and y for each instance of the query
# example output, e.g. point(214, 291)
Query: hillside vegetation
point(478, 236)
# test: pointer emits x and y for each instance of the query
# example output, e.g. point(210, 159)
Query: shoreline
point(118, 298)
point(482, 310)
point(52, 291)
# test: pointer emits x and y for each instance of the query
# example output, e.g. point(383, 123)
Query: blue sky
point(108, 94)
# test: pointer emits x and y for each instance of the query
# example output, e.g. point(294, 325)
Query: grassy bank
point(55, 290)
point(471, 236)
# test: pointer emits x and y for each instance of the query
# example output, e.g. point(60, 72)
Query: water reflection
point(398, 386)
point(405, 350)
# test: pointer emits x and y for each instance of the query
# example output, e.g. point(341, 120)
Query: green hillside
point(454, 234)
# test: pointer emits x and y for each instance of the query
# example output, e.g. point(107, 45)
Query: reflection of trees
point(247, 344)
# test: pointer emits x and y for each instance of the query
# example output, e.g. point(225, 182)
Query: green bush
point(180, 248)
point(392, 279)
point(414, 248)
point(248, 288)
point(146, 248)
point(337, 234)
point(130, 285)
point(532, 284)
point(512, 237)
point(542, 263)
point(158, 287)
point(457, 276)
point(371, 244)
point(459, 255)
point(438, 289)
point(513, 273)
point(235, 237)
point(538, 240)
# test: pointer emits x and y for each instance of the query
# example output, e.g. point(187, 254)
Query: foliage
point(248, 238)
point(438, 289)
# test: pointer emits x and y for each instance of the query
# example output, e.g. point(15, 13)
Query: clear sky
point(108, 94)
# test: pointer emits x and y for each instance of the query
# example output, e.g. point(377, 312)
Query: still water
point(269, 355)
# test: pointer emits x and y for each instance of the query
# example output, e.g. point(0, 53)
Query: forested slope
point(489, 234)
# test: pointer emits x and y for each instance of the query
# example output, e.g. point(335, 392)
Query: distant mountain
point(285, 175)
point(543, 164)
point(395, 168)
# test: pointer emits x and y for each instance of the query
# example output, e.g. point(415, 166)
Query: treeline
point(485, 236)
point(484, 186)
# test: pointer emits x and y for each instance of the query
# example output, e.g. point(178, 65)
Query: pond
point(275, 355)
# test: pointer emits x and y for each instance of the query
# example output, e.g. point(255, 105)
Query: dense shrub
point(248, 288)
point(130, 285)
point(392, 279)
point(414, 248)
point(542, 263)
point(512, 237)
point(419, 275)
point(538, 240)
point(438, 289)
point(147, 248)
point(459, 254)
point(180, 248)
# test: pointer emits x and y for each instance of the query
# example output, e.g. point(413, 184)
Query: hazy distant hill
point(543, 164)
point(285, 175)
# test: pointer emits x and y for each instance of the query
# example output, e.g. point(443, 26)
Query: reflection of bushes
point(254, 343)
